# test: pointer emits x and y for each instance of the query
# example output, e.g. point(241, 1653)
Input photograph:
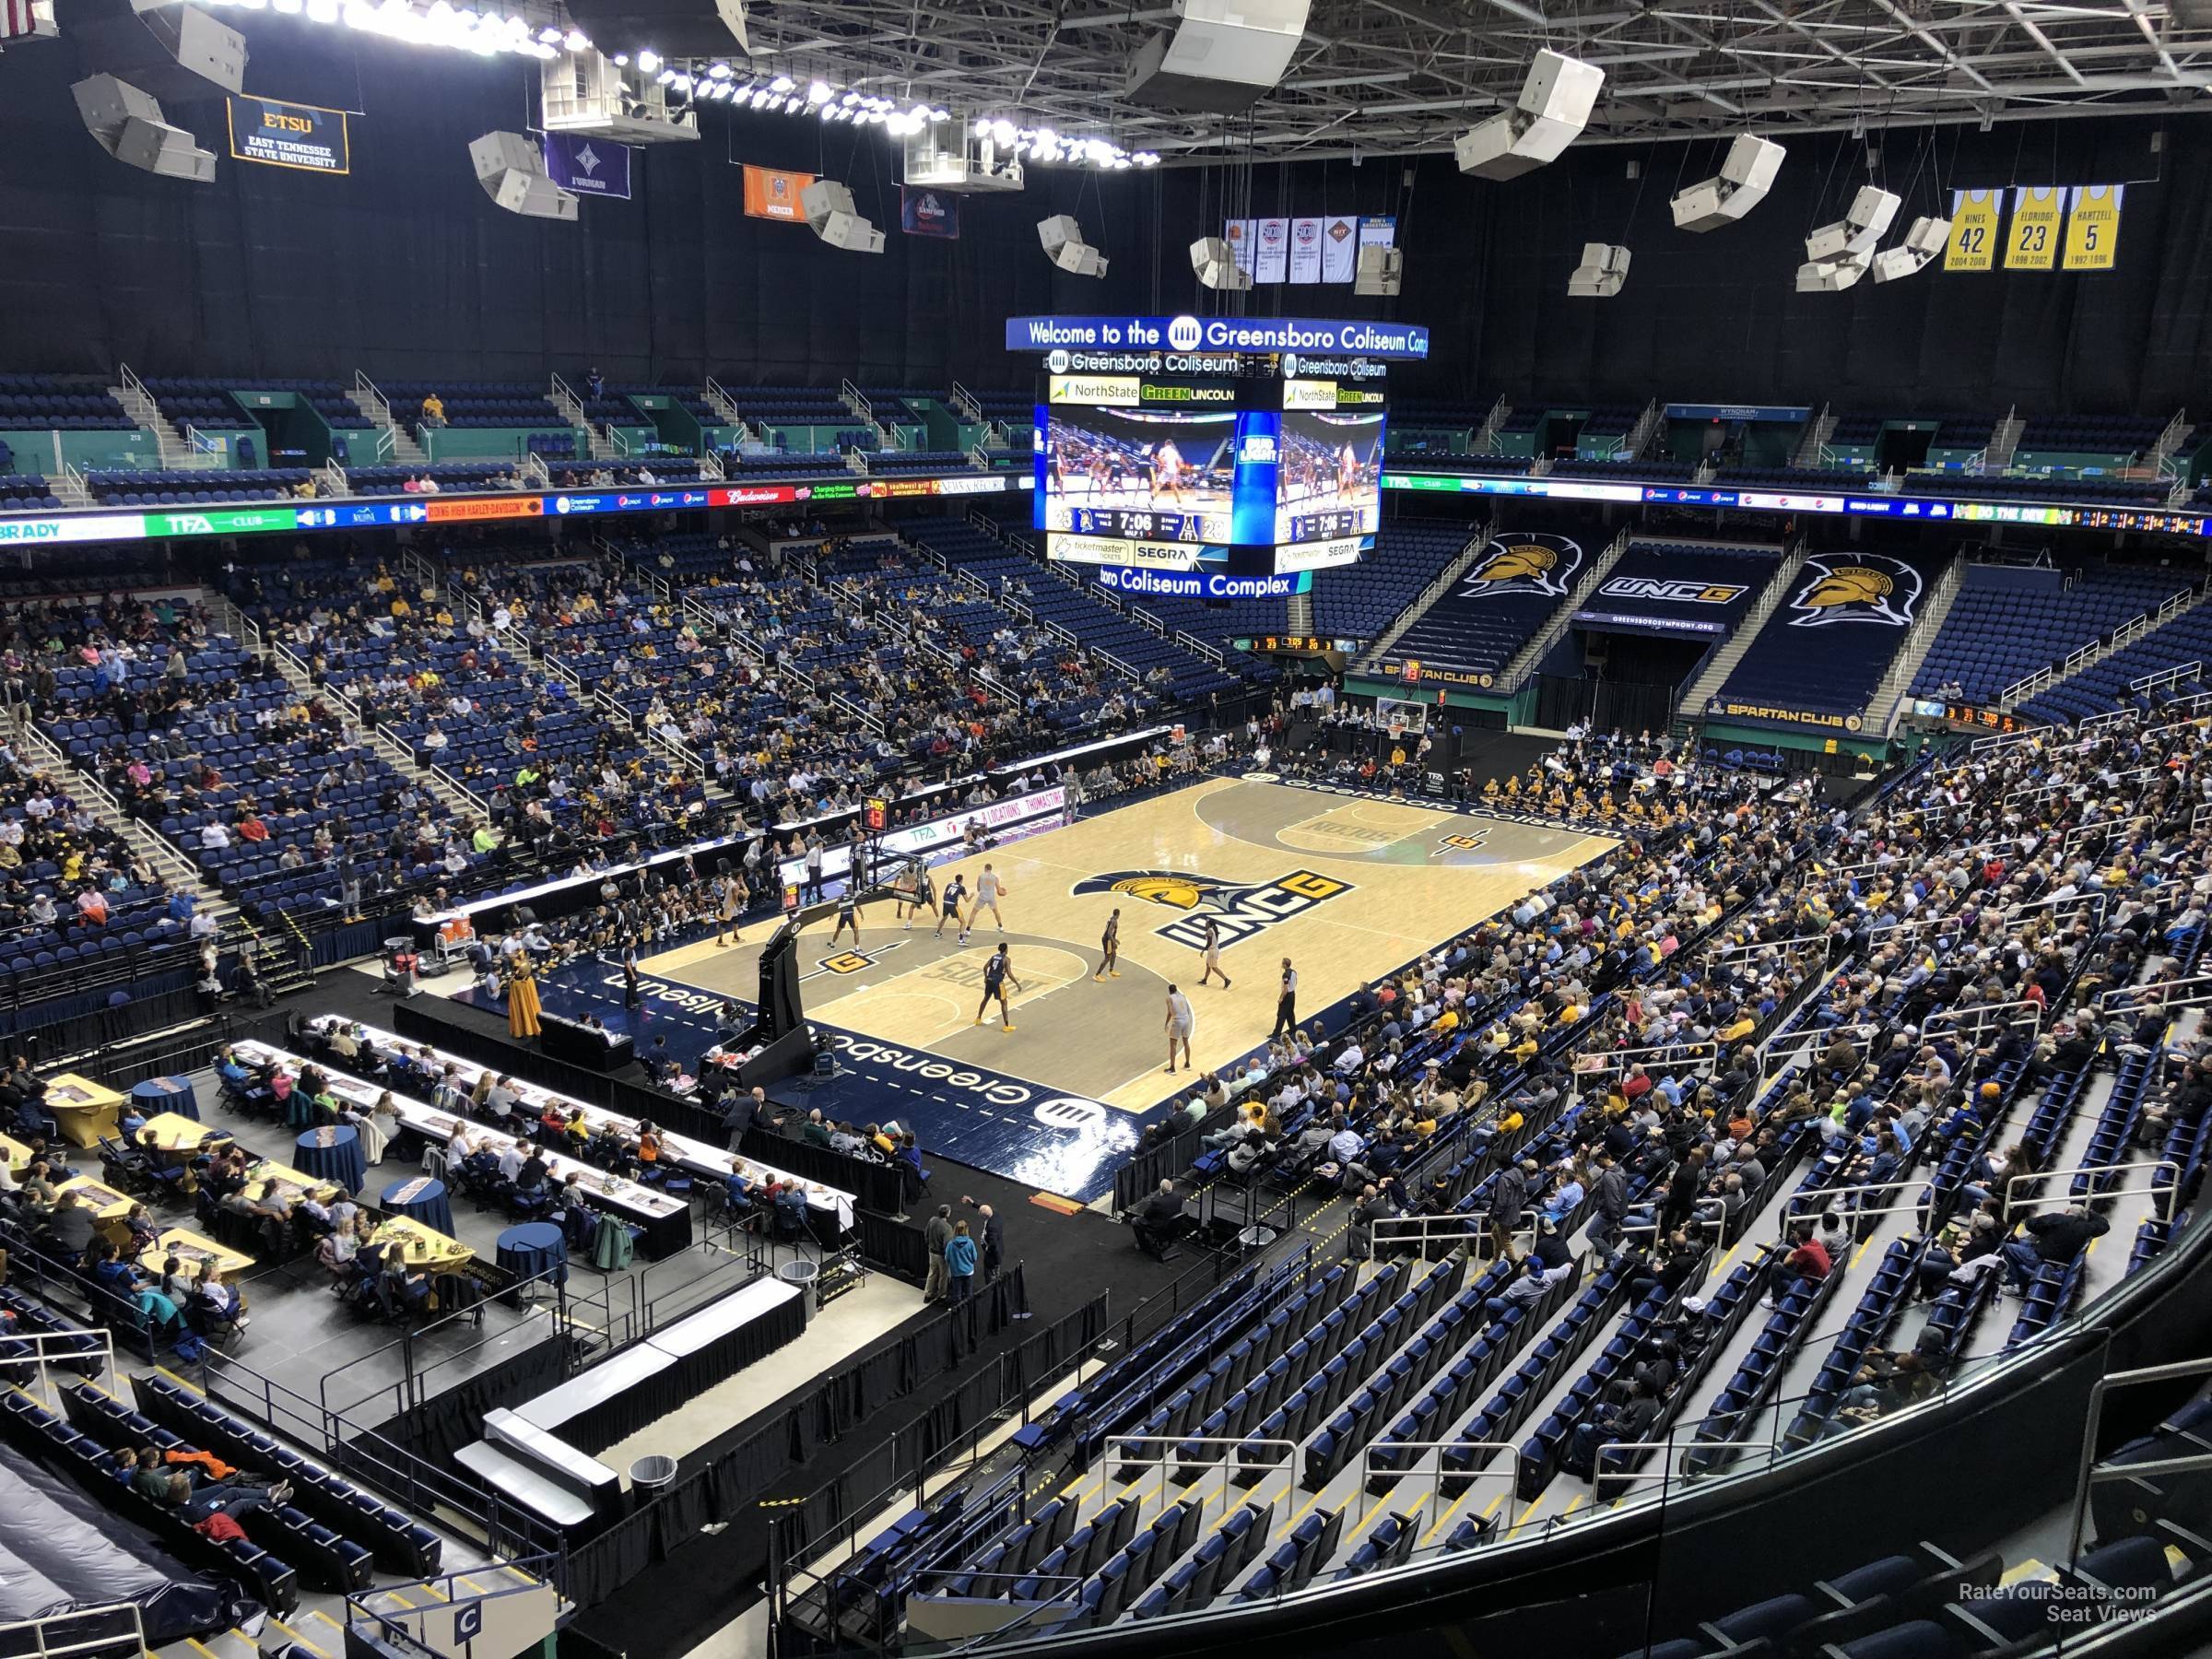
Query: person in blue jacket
point(960, 1264)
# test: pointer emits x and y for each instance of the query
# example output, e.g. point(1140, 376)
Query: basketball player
point(1110, 947)
point(998, 973)
point(1212, 951)
point(955, 891)
point(988, 888)
point(729, 909)
point(1286, 1005)
point(848, 915)
point(1167, 471)
point(1180, 1020)
point(904, 889)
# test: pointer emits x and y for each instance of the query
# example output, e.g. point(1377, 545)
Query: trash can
point(650, 1475)
point(1254, 1239)
point(801, 1274)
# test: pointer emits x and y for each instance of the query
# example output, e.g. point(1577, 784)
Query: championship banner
point(1378, 231)
point(586, 166)
point(1272, 263)
point(1975, 216)
point(772, 193)
point(2092, 227)
point(303, 137)
point(1339, 248)
point(1305, 250)
point(923, 212)
point(1243, 238)
point(2033, 245)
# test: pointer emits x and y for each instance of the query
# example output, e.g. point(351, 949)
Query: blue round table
point(157, 1095)
point(420, 1198)
point(532, 1250)
point(333, 1153)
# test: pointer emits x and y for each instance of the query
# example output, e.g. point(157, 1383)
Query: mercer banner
point(772, 193)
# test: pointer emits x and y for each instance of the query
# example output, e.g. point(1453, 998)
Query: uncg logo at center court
point(1238, 909)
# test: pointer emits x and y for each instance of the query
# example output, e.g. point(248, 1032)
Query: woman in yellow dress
point(521, 996)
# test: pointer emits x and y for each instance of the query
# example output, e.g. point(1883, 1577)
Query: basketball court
point(1351, 887)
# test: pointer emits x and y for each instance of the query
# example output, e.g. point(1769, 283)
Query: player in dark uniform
point(848, 913)
point(997, 975)
point(956, 890)
point(1110, 947)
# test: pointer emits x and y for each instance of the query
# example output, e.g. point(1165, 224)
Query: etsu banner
point(588, 166)
point(301, 136)
point(929, 212)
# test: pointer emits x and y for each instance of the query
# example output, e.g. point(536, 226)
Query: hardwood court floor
point(1347, 887)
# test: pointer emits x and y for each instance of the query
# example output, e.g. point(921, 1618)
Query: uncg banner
point(588, 166)
point(304, 137)
point(924, 212)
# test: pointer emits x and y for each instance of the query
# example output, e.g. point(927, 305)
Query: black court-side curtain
point(439, 1426)
point(600, 1567)
point(888, 1246)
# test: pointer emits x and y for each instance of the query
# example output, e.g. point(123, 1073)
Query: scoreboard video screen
point(1252, 476)
point(1331, 484)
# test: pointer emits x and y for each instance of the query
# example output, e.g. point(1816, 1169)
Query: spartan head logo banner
point(1856, 587)
point(1523, 564)
point(1238, 909)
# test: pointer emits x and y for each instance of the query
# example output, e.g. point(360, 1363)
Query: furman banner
point(588, 166)
point(304, 137)
point(772, 193)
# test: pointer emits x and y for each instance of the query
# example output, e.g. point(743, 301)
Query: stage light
point(322, 11)
point(1553, 109)
point(1745, 176)
point(648, 61)
point(1602, 273)
point(819, 93)
point(782, 83)
point(1002, 131)
point(1215, 263)
point(832, 216)
point(577, 40)
point(722, 71)
point(548, 35)
point(664, 78)
point(682, 82)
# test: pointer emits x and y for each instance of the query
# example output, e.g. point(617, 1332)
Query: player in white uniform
point(988, 889)
point(1180, 1021)
point(1212, 950)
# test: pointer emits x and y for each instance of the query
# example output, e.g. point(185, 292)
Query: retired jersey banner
point(1976, 218)
point(2092, 227)
point(587, 166)
point(923, 212)
point(303, 137)
point(772, 193)
point(2033, 245)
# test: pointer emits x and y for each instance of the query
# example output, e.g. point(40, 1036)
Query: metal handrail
point(2067, 1199)
point(2092, 1420)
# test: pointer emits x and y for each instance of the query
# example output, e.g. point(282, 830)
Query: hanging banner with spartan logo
point(1841, 588)
point(2092, 227)
point(2033, 245)
point(1530, 566)
point(1976, 215)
